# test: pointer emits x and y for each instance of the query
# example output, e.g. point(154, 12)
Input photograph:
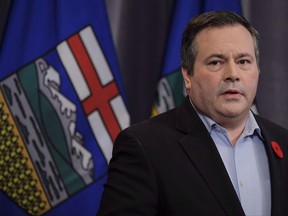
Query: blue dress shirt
point(246, 163)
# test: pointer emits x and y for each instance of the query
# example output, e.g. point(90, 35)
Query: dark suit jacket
point(169, 165)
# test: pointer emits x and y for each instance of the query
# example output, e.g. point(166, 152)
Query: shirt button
point(241, 184)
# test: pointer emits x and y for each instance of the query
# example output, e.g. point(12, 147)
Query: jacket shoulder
point(271, 127)
point(161, 122)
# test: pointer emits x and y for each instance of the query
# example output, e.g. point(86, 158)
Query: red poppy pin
point(277, 149)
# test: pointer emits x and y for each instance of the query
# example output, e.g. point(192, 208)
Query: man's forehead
point(220, 37)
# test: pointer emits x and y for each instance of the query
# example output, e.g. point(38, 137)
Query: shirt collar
point(251, 126)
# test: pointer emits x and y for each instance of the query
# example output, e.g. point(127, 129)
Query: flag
point(170, 88)
point(62, 105)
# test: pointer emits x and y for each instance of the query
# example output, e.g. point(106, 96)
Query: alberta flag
point(61, 107)
point(170, 89)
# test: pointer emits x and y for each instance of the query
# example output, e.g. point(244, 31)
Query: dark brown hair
point(211, 20)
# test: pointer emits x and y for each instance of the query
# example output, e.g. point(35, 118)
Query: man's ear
point(187, 79)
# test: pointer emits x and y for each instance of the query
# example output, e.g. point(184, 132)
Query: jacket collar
point(276, 166)
point(204, 155)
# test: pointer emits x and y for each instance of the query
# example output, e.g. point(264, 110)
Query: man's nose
point(231, 73)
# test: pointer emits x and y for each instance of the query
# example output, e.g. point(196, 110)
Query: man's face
point(225, 76)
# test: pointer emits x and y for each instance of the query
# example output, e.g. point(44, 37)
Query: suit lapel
point(204, 155)
point(276, 171)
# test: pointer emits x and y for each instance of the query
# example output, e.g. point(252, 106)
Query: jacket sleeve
point(131, 187)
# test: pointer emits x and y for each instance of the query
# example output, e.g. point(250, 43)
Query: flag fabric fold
point(62, 105)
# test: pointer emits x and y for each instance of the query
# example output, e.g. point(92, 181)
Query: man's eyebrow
point(222, 56)
point(216, 55)
point(241, 55)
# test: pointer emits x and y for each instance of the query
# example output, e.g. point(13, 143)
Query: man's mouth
point(232, 94)
point(232, 91)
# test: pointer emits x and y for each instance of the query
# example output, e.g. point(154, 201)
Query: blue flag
point(62, 105)
point(170, 89)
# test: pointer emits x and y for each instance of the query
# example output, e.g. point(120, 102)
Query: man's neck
point(234, 128)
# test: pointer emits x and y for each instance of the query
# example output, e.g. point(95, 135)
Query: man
point(212, 155)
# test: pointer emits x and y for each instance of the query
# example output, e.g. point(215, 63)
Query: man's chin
point(236, 115)
point(234, 112)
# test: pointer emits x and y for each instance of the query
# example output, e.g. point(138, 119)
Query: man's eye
point(214, 63)
point(244, 61)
